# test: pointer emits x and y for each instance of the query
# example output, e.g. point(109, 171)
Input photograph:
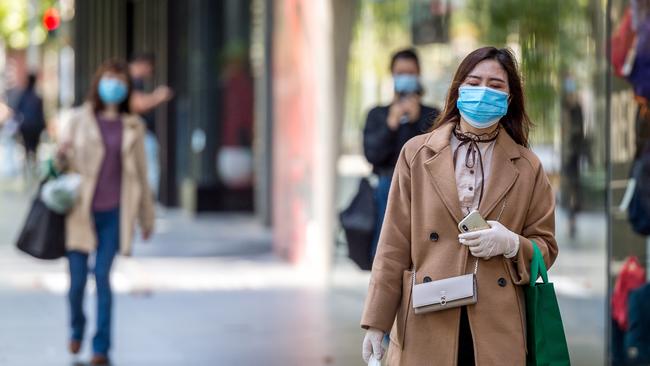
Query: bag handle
point(52, 171)
point(537, 266)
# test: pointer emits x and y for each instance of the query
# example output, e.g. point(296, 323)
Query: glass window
point(630, 181)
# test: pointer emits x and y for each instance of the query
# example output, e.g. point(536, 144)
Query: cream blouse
point(468, 180)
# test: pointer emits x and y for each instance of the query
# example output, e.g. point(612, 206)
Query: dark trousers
point(465, 344)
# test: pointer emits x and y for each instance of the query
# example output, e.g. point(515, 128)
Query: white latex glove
point(372, 344)
point(496, 240)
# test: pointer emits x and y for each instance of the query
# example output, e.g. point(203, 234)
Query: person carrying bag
point(103, 143)
point(466, 202)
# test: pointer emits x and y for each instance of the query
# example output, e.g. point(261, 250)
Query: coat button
point(427, 279)
point(502, 282)
point(434, 236)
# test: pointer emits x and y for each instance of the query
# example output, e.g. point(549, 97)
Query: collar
point(128, 120)
point(441, 138)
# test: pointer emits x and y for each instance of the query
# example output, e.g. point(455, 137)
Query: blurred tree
point(393, 31)
point(381, 27)
point(544, 34)
point(15, 22)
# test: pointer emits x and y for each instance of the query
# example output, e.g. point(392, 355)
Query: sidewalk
point(205, 291)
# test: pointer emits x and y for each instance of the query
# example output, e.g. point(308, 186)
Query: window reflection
point(630, 60)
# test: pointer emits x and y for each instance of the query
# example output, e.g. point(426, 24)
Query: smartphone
point(472, 222)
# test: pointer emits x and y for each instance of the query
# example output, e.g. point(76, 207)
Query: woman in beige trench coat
point(476, 157)
point(104, 144)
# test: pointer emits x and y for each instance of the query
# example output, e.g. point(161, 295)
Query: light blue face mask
point(570, 85)
point(406, 83)
point(112, 90)
point(480, 106)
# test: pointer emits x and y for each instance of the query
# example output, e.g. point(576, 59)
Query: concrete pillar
point(311, 39)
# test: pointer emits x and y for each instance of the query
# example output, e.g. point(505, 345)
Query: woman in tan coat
point(476, 157)
point(104, 144)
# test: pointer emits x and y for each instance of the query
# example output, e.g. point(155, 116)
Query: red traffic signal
point(51, 19)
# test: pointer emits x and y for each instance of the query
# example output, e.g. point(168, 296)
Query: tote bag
point(43, 234)
point(546, 341)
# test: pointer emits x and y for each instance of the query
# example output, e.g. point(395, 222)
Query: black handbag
point(43, 234)
point(358, 221)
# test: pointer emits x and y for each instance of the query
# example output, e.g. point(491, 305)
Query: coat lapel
point(93, 136)
point(130, 134)
point(503, 173)
point(92, 133)
point(440, 168)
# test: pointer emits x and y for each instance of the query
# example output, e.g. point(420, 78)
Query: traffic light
point(51, 19)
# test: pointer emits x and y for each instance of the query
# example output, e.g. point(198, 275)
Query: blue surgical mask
point(406, 83)
point(112, 90)
point(480, 106)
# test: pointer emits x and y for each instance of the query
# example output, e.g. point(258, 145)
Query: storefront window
point(630, 174)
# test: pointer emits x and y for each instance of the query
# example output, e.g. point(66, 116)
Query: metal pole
point(33, 49)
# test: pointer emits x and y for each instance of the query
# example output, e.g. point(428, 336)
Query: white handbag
point(444, 294)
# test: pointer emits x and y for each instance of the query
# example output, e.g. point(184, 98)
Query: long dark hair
point(516, 121)
point(115, 66)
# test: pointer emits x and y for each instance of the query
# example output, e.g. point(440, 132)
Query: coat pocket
point(398, 334)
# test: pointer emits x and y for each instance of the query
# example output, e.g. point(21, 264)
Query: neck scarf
point(472, 140)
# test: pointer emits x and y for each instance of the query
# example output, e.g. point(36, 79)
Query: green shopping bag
point(546, 341)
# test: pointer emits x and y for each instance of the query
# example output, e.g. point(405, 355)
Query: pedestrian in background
point(389, 127)
point(28, 112)
point(141, 71)
point(574, 149)
point(104, 143)
point(475, 158)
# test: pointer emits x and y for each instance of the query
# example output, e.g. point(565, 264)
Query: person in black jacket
point(28, 112)
point(389, 127)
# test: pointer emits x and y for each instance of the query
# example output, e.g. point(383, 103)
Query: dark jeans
point(381, 201)
point(107, 226)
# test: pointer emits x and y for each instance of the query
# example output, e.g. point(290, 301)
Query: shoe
point(99, 360)
point(74, 346)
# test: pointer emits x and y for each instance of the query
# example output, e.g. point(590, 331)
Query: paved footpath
point(207, 291)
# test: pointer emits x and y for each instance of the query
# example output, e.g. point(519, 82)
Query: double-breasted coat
point(420, 228)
